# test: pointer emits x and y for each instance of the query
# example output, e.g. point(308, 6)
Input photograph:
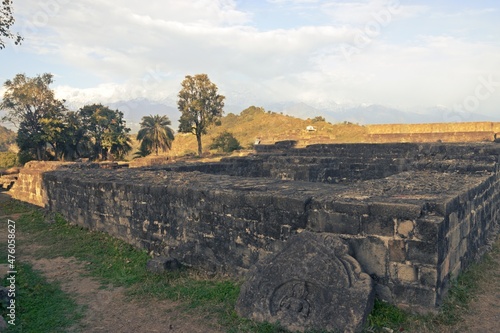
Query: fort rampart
point(414, 215)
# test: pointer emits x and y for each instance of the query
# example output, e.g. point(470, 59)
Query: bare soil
point(107, 307)
point(484, 310)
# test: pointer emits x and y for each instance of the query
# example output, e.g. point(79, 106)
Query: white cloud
point(144, 50)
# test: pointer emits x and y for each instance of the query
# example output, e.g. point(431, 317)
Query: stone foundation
point(414, 215)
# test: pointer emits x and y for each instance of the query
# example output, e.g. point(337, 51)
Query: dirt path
point(108, 310)
point(484, 313)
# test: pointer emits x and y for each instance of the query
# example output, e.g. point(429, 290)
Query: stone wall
point(28, 186)
point(464, 127)
point(414, 215)
point(486, 136)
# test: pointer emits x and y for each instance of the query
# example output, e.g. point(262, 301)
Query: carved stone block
point(312, 283)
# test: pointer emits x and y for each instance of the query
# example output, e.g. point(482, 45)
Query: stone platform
point(413, 215)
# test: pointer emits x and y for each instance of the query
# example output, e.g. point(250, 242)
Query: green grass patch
point(108, 258)
point(40, 306)
point(9, 207)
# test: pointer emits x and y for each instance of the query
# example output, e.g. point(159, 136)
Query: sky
point(407, 55)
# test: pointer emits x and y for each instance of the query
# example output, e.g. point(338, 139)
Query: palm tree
point(155, 133)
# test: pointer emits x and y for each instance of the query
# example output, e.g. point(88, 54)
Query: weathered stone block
point(375, 225)
point(394, 210)
point(351, 208)
point(427, 276)
point(312, 283)
point(430, 228)
point(406, 273)
point(324, 221)
point(397, 250)
point(414, 297)
point(422, 252)
point(372, 255)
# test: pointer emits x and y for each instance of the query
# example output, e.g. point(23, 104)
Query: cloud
point(144, 50)
point(363, 12)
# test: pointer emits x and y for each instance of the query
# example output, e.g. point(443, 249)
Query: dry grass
point(270, 127)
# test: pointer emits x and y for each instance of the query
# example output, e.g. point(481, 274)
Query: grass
point(115, 262)
point(40, 306)
point(10, 207)
point(254, 122)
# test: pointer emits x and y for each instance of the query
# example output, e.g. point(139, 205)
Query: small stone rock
point(162, 264)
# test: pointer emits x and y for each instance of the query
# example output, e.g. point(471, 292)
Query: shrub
point(226, 143)
point(7, 159)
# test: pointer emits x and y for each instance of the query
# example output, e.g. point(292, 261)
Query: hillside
point(7, 137)
point(255, 122)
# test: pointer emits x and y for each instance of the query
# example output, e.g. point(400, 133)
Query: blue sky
point(408, 55)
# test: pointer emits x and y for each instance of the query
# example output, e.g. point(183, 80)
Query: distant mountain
point(135, 109)
point(379, 114)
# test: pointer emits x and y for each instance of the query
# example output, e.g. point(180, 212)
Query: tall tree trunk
point(198, 138)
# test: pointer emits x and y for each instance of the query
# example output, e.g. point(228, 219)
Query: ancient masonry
point(412, 215)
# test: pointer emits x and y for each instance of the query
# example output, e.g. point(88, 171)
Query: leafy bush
point(25, 156)
point(226, 143)
point(7, 159)
point(318, 119)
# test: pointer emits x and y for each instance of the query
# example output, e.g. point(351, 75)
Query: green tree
point(104, 132)
point(155, 133)
point(73, 141)
point(200, 105)
point(226, 143)
point(143, 151)
point(32, 107)
point(6, 22)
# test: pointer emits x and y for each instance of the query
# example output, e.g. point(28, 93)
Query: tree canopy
point(39, 116)
point(48, 131)
point(155, 133)
point(200, 105)
point(104, 131)
point(6, 22)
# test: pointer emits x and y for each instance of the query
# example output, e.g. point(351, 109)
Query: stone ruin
point(311, 283)
point(409, 216)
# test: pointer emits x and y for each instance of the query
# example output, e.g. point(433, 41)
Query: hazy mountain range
point(135, 109)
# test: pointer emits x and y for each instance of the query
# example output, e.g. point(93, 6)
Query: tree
point(143, 150)
point(6, 21)
point(226, 143)
point(155, 133)
point(32, 107)
point(104, 132)
point(200, 106)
